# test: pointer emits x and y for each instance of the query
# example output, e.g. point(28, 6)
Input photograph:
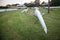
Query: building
point(21, 6)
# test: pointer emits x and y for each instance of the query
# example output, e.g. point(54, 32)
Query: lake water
point(3, 10)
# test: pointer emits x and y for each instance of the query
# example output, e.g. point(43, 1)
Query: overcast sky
point(5, 2)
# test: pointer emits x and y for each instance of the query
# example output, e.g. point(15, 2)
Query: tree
point(55, 2)
point(29, 4)
point(37, 2)
point(15, 4)
point(26, 4)
point(8, 5)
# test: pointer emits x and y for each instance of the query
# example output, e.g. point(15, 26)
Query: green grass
point(15, 25)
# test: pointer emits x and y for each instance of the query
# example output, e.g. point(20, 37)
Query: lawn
point(15, 25)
